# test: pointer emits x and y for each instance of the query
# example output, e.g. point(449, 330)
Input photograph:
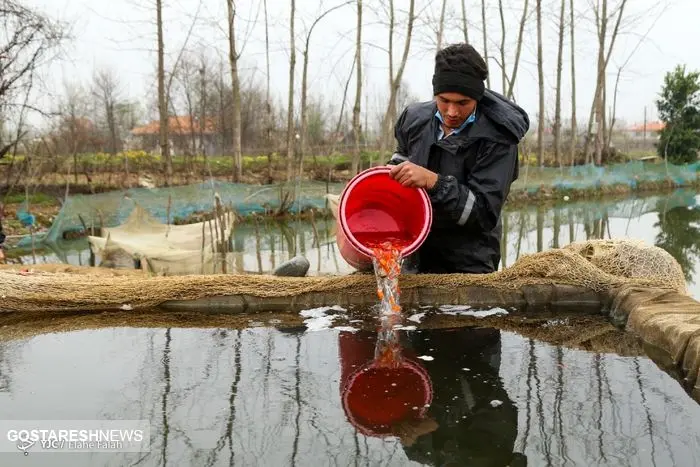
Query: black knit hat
point(460, 68)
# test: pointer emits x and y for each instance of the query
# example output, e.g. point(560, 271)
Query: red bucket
point(375, 398)
point(374, 206)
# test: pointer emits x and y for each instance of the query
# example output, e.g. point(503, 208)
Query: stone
point(295, 267)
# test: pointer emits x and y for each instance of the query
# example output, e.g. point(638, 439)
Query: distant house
point(650, 130)
point(187, 136)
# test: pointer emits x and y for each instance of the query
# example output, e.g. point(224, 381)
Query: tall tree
point(303, 137)
point(390, 114)
point(162, 101)
point(465, 26)
point(485, 36)
point(356, 127)
point(106, 89)
point(290, 103)
point(574, 124)
point(540, 76)
point(233, 57)
point(518, 50)
point(679, 109)
point(557, 111)
point(441, 25)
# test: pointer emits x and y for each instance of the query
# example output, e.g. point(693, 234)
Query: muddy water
point(264, 396)
point(670, 221)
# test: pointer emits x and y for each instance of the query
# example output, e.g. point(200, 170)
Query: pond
point(292, 395)
point(272, 390)
point(671, 221)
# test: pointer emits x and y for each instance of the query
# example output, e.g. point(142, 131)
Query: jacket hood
point(506, 122)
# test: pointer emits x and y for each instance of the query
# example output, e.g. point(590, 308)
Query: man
point(462, 148)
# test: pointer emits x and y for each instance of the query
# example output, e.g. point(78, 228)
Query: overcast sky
point(120, 35)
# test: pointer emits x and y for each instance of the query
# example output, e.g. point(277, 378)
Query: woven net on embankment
point(595, 265)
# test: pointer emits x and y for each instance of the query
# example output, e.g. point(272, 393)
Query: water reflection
point(262, 396)
point(449, 410)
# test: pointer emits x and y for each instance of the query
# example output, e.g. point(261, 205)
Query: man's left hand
point(413, 176)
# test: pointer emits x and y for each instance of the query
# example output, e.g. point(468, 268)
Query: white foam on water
point(427, 358)
point(417, 318)
point(318, 319)
point(400, 327)
point(496, 403)
point(346, 328)
point(465, 310)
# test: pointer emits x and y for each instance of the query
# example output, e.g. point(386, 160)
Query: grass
point(38, 198)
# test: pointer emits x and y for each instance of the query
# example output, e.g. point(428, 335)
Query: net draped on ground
point(598, 265)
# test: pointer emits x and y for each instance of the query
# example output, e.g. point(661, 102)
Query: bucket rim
point(342, 205)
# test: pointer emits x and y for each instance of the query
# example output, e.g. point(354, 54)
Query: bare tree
point(356, 127)
point(574, 124)
point(540, 74)
point(29, 39)
point(598, 107)
point(557, 111)
point(290, 104)
point(162, 100)
point(504, 77)
point(441, 25)
point(233, 57)
point(304, 86)
point(486, 49)
point(268, 103)
point(465, 27)
point(518, 50)
point(390, 113)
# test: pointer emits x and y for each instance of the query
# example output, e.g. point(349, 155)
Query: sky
point(119, 36)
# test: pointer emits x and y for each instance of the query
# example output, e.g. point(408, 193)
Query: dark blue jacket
point(475, 168)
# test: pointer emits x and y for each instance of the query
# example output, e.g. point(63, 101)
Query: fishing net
point(594, 265)
point(585, 177)
point(163, 248)
point(170, 204)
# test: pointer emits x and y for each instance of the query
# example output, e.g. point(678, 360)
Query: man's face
point(455, 108)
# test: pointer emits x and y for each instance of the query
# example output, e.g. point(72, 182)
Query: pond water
point(262, 393)
point(671, 221)
point(292, 396)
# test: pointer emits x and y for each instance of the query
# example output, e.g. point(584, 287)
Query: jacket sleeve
point(400, 132)
point(479, 202)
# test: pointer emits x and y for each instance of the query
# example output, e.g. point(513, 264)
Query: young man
point(462, 148)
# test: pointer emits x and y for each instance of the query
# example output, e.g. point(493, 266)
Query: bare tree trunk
point(465, 27)
point(540, 74)
point(441, 26)
point(504, 78)
point(486, 48)
point(268, 104)
point(602, 21)
point(574, 124)
point(518, 50)
point(162, 102)
point(598, 107)
point(396, 82)
point(304, 75)
point(290, 104)
point(557, 112)
point(236, 90)
point(342, 106)
point(356, 127)
point(203, 109)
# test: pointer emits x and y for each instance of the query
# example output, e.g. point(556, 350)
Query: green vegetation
point(679, 109)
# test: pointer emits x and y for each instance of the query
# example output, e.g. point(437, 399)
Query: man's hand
point(413, 176)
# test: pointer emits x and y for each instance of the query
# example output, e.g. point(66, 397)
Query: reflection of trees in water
point(265, 397)
point(598, 409)
point(679, 234)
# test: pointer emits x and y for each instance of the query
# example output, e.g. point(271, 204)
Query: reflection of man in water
point(471, 421)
